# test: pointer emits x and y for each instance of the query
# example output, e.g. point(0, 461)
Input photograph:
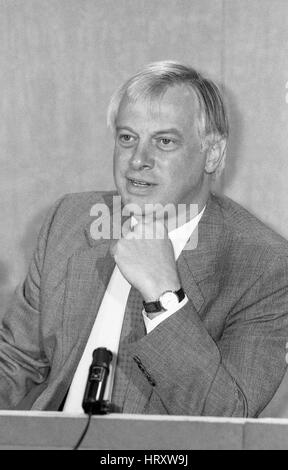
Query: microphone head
point(102, 356)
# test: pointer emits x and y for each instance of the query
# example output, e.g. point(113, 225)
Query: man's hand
point(145, 257)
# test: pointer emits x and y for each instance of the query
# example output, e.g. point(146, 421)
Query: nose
point(142, 158)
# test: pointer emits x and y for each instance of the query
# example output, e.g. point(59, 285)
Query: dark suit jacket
point(223, 354)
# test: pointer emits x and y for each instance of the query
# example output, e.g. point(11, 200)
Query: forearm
point(22, 363)
point(191, 374)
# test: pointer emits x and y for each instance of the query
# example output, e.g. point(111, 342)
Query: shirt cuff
point(151, 324)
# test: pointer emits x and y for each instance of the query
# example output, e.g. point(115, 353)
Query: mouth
point(139, 183)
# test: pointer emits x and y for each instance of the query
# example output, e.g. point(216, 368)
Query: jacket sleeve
point(22, 359)
point(236, 376)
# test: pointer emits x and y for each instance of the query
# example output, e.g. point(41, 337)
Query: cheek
point(192, 166)
point(121, 159)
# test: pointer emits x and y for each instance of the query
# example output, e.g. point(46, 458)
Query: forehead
point(177, 107)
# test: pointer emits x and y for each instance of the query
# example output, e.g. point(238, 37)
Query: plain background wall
point(60, 60)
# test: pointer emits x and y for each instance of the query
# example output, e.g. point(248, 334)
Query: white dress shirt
point(107, 327)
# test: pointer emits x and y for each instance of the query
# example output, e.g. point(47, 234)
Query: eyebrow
point(172, 130)
point(118, 128)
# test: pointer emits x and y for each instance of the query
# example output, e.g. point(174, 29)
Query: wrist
point(152, 291)
point(168, 301)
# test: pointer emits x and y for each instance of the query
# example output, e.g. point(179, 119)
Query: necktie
point(133, 328)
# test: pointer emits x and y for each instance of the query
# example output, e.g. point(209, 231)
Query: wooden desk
point(49, 430)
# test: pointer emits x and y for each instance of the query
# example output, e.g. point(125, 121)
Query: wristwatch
point(168, 300)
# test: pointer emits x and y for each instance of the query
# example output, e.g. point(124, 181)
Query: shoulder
point(247, 229)
point(68, 220)
point(78, 204)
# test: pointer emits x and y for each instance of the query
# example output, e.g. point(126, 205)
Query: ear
point(216, 155)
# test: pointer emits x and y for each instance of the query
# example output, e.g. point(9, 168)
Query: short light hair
point(153, 81)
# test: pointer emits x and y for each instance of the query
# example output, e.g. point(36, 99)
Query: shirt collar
point(180, 236)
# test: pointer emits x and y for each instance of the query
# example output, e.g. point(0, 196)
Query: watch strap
point(154, 307)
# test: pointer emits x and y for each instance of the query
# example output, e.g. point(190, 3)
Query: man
point(206, 330)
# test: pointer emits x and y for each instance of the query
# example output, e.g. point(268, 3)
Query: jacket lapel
point(198, 264)
point(89, 272)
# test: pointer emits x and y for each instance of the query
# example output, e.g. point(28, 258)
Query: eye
point(126, 139)
point(166, 143)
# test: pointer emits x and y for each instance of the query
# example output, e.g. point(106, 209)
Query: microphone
point(93, 402)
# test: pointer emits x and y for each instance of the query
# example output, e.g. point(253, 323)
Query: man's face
point(158, 156)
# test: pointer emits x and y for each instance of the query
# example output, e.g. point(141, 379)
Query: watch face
point(169, 300)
